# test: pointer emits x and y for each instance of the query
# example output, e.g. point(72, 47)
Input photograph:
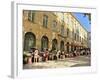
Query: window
point(62, 30)
point(44, 43)
point(62, 45)
point(54, 25)
point(80, 39)
point(70, 21)
point(66, 18)
point(68, 47)
point(29, 41)
point(45, 21)
point(31, 16)
point(62, 17)
point(75, 36)
point(68, 32)
point(54, 44)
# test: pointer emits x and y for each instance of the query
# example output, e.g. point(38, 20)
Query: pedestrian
point(74, 53)
point(46, 54)
point(29, 58)
point(63, 54)
point(58, 53)
point(36, 55)
point(43, 58)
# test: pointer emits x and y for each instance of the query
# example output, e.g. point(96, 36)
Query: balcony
point(62, 35)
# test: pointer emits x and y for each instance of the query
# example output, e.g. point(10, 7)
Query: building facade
point(52, 30)
point(89, 40)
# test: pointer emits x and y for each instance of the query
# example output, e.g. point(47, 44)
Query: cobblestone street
point(78, 61)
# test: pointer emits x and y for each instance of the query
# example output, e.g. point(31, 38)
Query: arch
point(54, 44)
point(29, 41)
point(62, 45)
point(44, 43)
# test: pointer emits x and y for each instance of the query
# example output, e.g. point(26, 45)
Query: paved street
point(78, 61)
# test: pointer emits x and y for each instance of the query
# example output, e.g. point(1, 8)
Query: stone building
point(52, 30)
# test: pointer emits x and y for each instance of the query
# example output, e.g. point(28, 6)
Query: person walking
point(36, 55)
point(46, 54)
point(58, 53)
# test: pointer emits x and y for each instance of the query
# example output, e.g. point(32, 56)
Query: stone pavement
point(62, 63)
